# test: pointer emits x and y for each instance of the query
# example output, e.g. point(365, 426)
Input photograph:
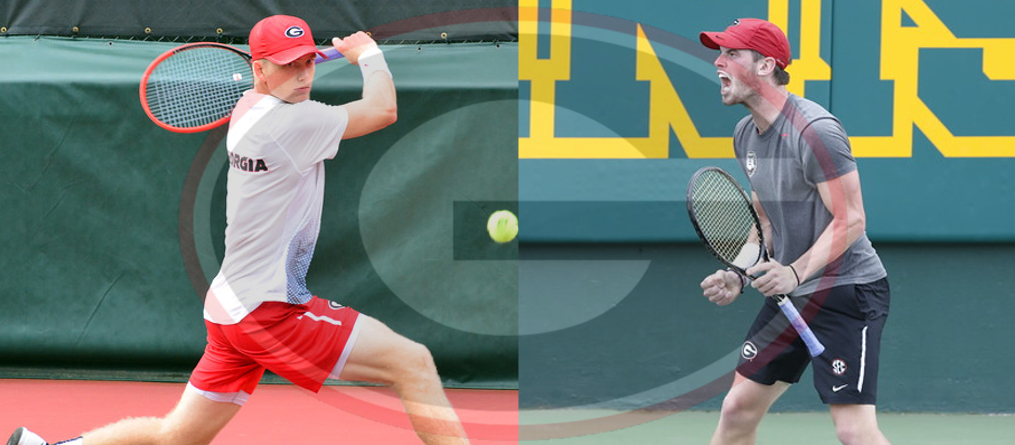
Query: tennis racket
point(725, 220)
point(194, 87)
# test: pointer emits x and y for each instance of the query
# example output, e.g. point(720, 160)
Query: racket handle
point(330, 54)
point(813, 345)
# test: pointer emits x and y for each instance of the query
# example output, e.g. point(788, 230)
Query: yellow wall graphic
point(900, 49)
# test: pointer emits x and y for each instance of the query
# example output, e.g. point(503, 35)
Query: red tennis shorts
point(302, 343)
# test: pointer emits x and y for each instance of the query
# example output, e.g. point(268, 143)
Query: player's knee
point(856, 425)
point(846, 434)
point(853, 433)
point(740, 413)
point(421, 359)
point(416, 363)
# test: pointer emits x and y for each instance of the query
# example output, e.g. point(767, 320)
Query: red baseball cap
point(281, 39)
point(759, 35)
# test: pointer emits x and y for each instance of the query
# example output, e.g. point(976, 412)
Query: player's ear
point(766, 67)
point(258, 67)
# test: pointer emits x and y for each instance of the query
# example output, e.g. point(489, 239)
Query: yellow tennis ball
point(503, 226)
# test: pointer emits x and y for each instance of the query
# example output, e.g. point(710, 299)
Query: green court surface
point(812, 428)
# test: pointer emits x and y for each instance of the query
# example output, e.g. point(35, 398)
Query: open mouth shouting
point(725, 82)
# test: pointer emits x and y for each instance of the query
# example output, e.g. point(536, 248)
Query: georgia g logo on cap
point(294, 32)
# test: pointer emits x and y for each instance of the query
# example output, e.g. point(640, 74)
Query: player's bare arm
point(844, 200)
point(378, 108)
point(773, 278)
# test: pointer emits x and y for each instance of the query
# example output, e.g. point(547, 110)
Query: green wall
point(624, 325)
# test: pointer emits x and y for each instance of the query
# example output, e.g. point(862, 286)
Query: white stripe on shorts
point(337, 371)
point(863, 359)
point(238, 398)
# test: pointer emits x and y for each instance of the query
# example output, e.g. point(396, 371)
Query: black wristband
point(795, 274)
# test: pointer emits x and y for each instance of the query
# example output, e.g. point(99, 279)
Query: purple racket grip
point(813, 345)
point(330, 54)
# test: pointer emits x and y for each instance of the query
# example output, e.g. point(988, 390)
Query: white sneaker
point(22, 436)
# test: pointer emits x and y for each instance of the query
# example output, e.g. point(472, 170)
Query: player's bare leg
point(195, 421)
point(383, 356)
point(857, 424)
point(742, 410)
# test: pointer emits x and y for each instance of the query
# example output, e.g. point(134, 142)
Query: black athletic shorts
point(849, 322)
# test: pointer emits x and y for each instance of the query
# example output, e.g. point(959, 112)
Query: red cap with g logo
point(760, 35)
point(281, 39)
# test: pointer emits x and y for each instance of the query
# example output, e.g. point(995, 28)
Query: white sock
point(30, 438)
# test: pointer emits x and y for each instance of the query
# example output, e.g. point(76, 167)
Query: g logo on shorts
point(749, 351)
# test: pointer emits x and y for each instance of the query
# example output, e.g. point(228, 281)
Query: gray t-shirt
point(804, 147)
point(274, 201)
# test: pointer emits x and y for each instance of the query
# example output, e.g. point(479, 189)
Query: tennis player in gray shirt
point(806, 189)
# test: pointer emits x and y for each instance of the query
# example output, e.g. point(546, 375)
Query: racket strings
point(723, 215)
point(197, 86)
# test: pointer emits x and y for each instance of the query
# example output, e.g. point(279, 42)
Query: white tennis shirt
point(274, 197)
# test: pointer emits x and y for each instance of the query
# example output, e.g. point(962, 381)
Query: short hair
point(781, 76)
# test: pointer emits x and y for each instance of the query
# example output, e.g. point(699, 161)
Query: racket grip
point(813, 345)
point(329, 54)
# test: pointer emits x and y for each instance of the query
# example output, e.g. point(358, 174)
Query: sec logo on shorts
point(839, 366)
